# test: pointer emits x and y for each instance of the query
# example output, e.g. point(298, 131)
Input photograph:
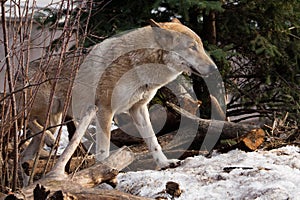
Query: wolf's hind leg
point(104, 117)
point(33, 147)
point(30, 152)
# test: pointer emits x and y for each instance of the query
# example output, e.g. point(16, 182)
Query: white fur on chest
point(140, 85)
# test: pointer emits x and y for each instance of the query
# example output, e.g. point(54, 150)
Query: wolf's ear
point(154, 23)
point(175, 20)
point(163, 36)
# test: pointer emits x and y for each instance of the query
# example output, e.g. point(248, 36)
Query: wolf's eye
point(193, 47)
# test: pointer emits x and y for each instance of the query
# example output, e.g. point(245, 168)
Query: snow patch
point(271, 174)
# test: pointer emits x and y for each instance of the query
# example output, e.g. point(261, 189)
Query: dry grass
point(283, 132)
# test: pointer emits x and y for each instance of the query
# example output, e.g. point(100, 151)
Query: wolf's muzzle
point(209, 70)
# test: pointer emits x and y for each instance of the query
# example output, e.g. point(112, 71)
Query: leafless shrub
point(29, 32)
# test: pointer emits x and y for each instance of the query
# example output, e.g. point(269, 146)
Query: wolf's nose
point(212, 68)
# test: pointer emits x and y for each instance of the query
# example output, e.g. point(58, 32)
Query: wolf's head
point(174, 36)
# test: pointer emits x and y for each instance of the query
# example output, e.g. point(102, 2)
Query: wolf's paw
point(171, 163)
point(49, 139)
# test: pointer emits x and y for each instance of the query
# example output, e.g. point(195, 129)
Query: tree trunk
point(209, 28)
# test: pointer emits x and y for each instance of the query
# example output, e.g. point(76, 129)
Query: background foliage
point(256, 48)
point(255, 43)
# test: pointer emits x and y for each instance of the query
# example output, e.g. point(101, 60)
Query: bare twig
point(66, 37)
point(13, 98)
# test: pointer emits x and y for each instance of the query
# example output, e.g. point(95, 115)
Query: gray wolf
point(121, 74)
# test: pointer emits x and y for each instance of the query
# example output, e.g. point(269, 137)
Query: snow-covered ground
point(255, 175)
point(259, 175)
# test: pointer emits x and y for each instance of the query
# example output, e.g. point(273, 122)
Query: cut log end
point(253, 139)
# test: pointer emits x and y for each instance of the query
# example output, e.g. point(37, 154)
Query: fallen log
point(57, 190)
point(80, 185)
point(208, 133)
point(194, 129)
point(229, 129)
point(81, 162)
point(41, 193)
point(248, 142)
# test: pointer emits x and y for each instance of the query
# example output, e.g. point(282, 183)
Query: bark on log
point(76, 162)
point(81, 183)
point(208, 133)
point(230, 130)
point(72, 190)
point(224, 129)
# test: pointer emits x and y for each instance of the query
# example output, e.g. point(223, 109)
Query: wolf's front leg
point(103, 134)
point(140, 115)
